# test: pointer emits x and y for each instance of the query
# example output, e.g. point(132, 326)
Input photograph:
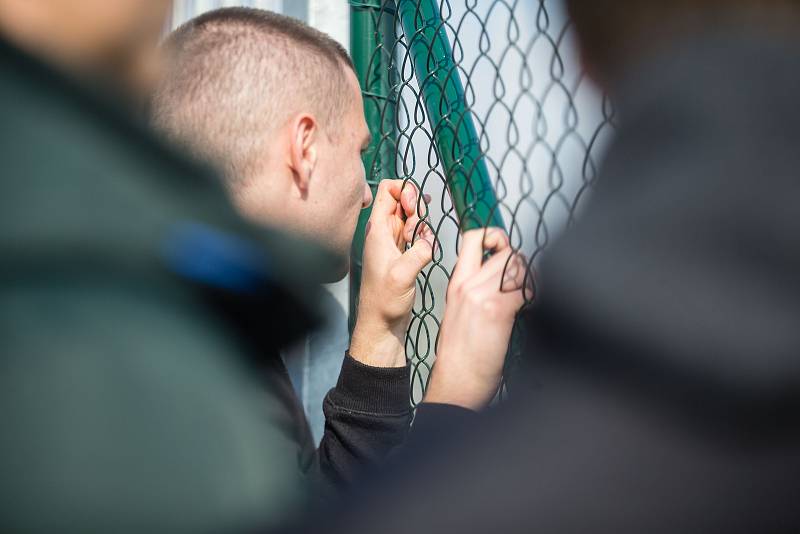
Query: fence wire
point(539, 129)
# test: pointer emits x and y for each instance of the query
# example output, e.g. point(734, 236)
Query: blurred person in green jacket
point(127, 284)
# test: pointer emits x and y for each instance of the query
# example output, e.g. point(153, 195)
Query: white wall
point(183, 10)
point(331, 17)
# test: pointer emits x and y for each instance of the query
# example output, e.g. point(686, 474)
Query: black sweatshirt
point(367, 414)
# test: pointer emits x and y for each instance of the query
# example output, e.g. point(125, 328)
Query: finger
point(511, 302)
point(491, 271)
point(471, 254)
point(515, 299)
point(496, 240)
point(473, 242)
point(409, 198)
point(425, 233)
point(412, 261)
point(410, 228)
point(387, 197)
point(505, 271)
point(515, 275)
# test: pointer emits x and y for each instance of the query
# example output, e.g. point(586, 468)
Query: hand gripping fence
point(482, 105)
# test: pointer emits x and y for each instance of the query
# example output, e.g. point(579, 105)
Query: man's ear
point(303, 141)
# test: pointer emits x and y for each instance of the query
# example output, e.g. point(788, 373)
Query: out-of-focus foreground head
point(614, 34)
point(277, 105)
point(113, 40)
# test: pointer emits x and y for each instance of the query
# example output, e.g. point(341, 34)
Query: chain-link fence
point(482, 104)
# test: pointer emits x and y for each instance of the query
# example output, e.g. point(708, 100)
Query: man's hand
point(389, 275)
point(482, 300)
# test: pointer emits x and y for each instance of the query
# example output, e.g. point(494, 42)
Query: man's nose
point(367, 200)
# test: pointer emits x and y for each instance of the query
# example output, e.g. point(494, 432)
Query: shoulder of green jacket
point(92, 188)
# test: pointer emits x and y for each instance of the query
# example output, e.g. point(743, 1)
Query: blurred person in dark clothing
point(129, 293)
point(662, 389)
point(141, 318)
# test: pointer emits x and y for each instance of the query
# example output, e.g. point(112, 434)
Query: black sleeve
point(367, 415)
point(433, 418)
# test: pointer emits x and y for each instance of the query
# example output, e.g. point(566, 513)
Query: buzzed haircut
point(614, 31)
point(237, 74)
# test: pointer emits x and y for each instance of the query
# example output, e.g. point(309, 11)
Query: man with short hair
point(277, 104)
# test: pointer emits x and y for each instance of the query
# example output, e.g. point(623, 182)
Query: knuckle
point(456, 289)
point(395, 277)
point(489, 307)
point(383, 187)
point(476, 299)
point(419, 254)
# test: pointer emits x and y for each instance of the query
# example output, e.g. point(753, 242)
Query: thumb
point(412, 261)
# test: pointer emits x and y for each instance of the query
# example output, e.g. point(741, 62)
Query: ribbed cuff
point(375, 390)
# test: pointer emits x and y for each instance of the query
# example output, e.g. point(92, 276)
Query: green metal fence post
point(454, 132)
point(372, 41)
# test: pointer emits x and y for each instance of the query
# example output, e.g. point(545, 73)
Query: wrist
point(377, 345)
point(455, 388)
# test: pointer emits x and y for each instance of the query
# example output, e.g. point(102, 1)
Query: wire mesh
point(538, 129)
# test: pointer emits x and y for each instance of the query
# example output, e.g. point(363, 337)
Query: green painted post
point(454, 132)
point(372, 40)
